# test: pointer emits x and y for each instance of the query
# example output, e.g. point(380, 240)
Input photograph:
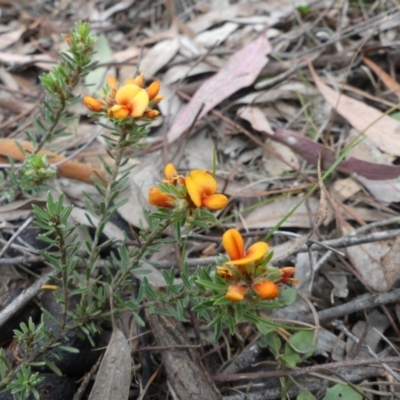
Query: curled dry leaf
point(114, 375)
point(310, 150)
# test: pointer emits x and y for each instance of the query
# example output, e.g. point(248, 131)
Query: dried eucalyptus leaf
point(114, 375)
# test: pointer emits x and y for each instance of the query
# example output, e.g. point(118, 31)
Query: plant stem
point(63, 267)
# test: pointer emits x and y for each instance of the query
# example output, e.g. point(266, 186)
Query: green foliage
point(30, 334)
point(25, 384)
point(341, 391)
point(32, 176)
point(305, 395)
point(29, 179)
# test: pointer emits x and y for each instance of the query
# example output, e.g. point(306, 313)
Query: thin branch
point(302, 371)
point(339, 325)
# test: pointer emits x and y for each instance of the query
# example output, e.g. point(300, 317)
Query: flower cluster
point(247, 273)
point(129, 100)
point(196, 190)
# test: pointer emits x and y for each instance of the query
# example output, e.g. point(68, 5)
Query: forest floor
point(268, 91)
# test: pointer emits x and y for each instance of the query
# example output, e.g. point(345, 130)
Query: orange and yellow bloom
point(160, 199)
point(247, 274)
point(198, 190)
point(202, 187)
point(236, 293)
point(234, 245)
point(266, 290)
point(130, 100)
point(287, 273)
point(93, 104)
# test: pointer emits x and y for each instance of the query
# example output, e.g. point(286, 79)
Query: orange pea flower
point(151, 114)
point(153, 89)
point(131, 100)
point(201, 187)
point(287, 273)
point(139, 81)
point(160, 199)
point(112, 84)
point(235, 293)
point(266, 290)
point(234, 245)
point(93, 104)
point(170, 171)
point(172, 176)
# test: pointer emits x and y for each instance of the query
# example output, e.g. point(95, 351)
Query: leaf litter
point(247, 62)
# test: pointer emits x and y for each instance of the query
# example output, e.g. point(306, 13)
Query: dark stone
point(74, 364)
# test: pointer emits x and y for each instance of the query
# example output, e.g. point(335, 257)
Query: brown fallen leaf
point(256, 117)
point(387, 80)
point(16, 106)
point(286, 249)
point(240, 71)
point(310, 150)
point(366, 259)
point(385, 191)
point(390, 264)
point(158, 56)
point(69, 169)
point(268, 215)
point(114, 375)
point(383, 130)
point(9, 38)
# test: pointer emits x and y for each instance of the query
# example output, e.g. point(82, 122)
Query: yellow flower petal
point(255, 253)
point(118, 111)
point(235, 293)
point(160, 199)
point(126, 93)
point(266, 290)
point(170, 171)
point(139, 103)
point(200, 184)
point(233, 244)
point(257, 250)
point(215, 201)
